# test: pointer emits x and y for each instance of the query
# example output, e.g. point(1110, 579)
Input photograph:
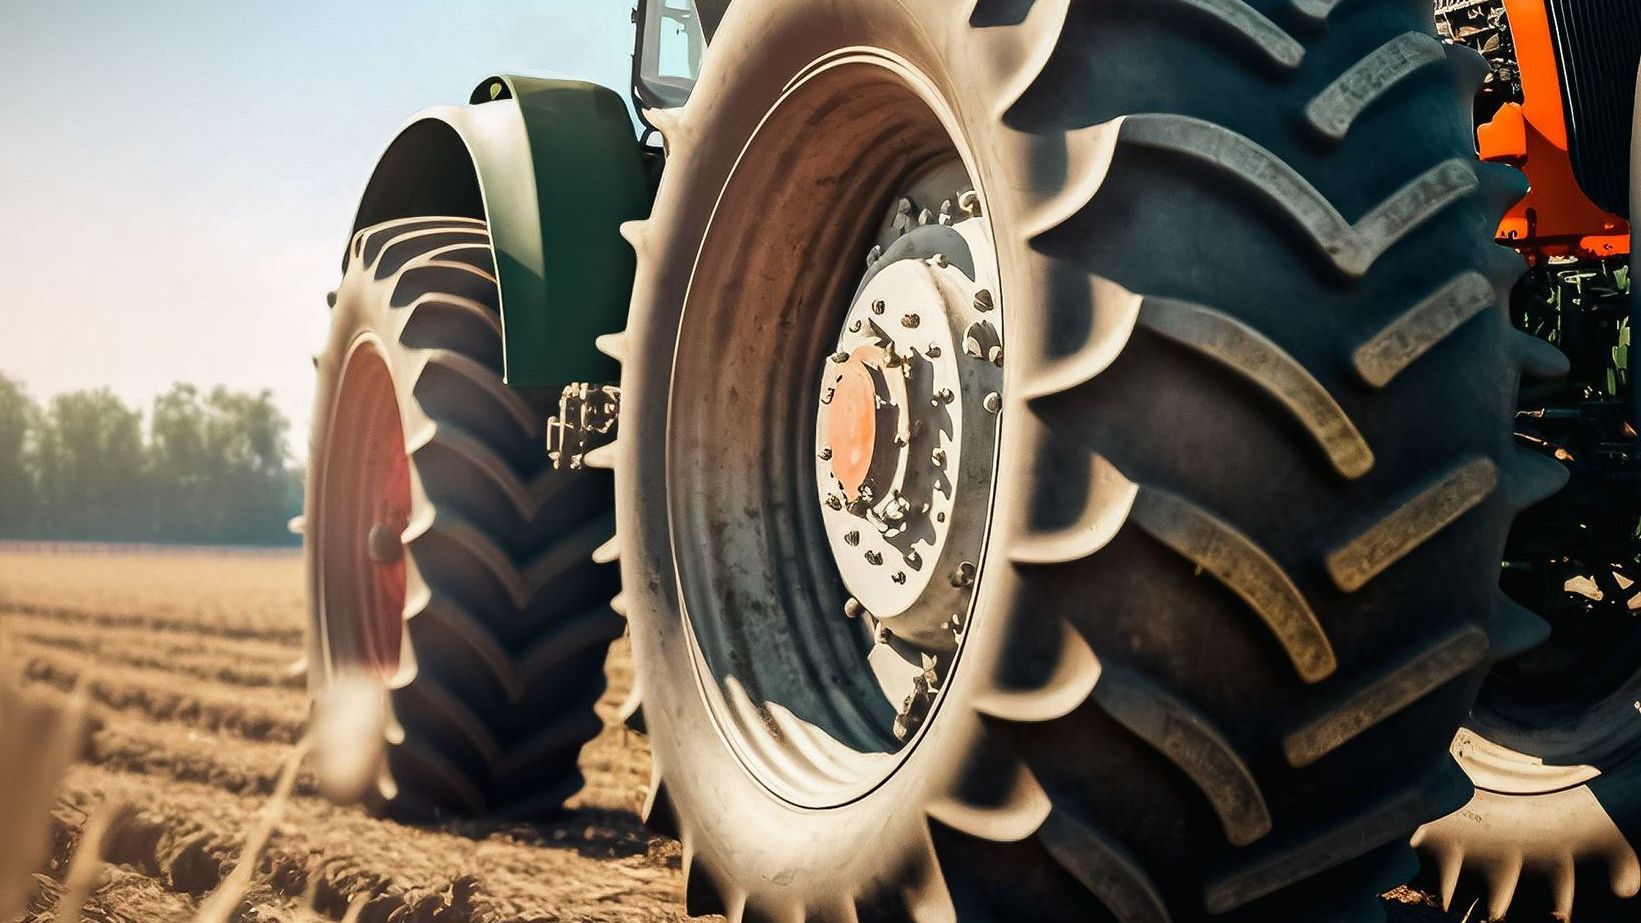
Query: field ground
point(197, 708)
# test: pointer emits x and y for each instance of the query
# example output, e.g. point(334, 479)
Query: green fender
point(554, 167)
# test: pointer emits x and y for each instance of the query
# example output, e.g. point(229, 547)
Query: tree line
point(209, 468)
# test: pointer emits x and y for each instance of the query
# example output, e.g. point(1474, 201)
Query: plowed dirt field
point(198, 701)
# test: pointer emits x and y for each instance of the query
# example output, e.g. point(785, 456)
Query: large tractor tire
point(1124, 545)
point(1554, 741)
point(1553, 744)
point(445, 557)
point(1550, 822)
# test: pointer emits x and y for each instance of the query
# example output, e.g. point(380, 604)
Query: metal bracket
point(586, 420)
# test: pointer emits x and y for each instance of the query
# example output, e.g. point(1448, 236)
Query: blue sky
point(178, 177)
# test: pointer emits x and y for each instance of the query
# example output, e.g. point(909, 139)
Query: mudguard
point(554, 167)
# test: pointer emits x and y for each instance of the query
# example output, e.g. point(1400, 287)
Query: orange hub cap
point(851, 421)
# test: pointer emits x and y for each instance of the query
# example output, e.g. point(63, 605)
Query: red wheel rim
point(365, 509)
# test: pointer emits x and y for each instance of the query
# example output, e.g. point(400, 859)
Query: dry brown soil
point(197, 707)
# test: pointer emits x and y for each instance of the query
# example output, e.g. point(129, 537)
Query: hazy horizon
point(178, 182)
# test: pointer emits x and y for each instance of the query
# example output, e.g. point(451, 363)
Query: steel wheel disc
point(365, 510)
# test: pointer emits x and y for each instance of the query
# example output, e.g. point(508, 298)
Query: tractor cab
point(672, 39)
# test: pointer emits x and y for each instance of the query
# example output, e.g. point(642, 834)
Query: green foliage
point(213, 469)
point(17, 415)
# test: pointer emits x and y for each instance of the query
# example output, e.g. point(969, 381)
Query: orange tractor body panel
point(1556, 218)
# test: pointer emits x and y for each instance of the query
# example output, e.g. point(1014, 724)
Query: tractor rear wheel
point(1065, 457)
point(1554, 741)
point(445, 557)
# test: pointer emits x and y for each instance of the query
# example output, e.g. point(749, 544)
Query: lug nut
point(852, 608)
point(993, 402)
point(983, 301)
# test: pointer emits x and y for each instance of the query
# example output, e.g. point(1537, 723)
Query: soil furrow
point(276, 715)
point(64, 615)
point(211, 663)
point(188, 836)
point(131, 745)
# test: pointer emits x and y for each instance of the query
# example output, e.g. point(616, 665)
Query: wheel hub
point(383, 542)
point(856, 477)
point(907, 430)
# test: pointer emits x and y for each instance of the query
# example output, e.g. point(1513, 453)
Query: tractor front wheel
point(446, 559)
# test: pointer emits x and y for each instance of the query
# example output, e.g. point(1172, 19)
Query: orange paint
point(851, 420)
point(1556, 218)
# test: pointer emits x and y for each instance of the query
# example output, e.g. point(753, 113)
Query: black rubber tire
point(1288, 625)
point(1555, 821)
point(1545, 834)
point(506, 615)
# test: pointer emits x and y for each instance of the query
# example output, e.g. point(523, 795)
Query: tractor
point(1053, 460)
